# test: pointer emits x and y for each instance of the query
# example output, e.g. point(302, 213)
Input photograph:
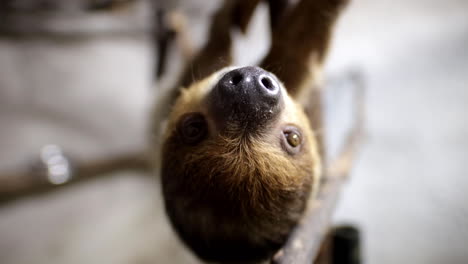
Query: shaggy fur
point(236, 195)
point(235, 191)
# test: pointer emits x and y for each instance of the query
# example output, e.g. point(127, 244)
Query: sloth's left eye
point(292, 140)
point(192, 128)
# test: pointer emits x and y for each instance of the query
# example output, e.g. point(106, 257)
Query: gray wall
point(408, 191)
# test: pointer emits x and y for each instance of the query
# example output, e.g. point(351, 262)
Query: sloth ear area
point(192, 128)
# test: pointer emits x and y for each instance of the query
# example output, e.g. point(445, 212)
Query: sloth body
point(236, 192)
point(239, 160)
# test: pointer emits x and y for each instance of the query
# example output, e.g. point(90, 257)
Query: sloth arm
point(300, 42)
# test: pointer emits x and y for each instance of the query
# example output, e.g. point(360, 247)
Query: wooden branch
point(36, 179)
point(305, 241)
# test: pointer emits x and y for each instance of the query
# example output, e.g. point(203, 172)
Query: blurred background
point(80, 74)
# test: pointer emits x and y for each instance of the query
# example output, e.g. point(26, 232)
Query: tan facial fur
point(236, 190)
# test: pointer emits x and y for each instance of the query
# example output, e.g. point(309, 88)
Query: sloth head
point(239, 162)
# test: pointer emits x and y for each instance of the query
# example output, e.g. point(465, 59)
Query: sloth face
point(239, 162)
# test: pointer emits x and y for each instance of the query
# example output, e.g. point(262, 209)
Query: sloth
point(239, 159)
point(240, 162)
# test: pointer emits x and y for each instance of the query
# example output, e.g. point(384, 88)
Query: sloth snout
point(251, 84)
point(248, 95)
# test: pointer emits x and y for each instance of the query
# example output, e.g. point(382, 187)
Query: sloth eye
point(292, 140)
point(192, 128)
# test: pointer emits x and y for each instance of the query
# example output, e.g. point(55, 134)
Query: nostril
point(236, 79)
point(267, 82)
point(248, 97)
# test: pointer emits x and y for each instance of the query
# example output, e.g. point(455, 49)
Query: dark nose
point(252, 82)
point(249, 95)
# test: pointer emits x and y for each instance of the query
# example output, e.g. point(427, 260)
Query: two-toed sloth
point(239, 158)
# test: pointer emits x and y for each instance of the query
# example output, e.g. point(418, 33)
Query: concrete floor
point(92, 96)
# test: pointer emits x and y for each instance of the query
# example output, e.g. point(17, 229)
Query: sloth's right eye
point(192, 128)
point(291, 140)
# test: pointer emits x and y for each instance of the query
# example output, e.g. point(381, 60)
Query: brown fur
point(244, 188)
point(235, 196)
